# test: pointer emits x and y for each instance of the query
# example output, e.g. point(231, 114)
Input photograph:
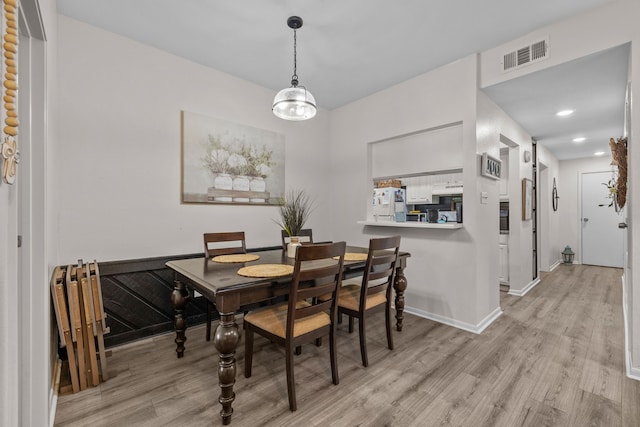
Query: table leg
point(400, 285)
point(226, 340)
point(179, 299)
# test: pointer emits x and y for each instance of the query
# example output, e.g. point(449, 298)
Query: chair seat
point(274, 320)
point(349, 298)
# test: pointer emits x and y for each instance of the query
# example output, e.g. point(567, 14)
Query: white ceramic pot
point(241, 183)
point(294, 242)
point(259, 185)
point(223, 181)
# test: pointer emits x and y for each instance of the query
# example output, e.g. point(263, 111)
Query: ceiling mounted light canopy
point(295, 102)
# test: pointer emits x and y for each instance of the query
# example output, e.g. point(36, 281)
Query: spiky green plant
point(294, 212)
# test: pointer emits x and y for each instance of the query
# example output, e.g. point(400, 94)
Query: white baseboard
point(555, 265)
point(632, 371)
point(476, 329)
point(523, 292)
point(53, 392)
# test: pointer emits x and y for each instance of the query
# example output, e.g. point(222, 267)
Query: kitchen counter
point(413, 224)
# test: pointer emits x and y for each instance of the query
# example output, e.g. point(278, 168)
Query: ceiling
point(593, 86)
point(350, 49)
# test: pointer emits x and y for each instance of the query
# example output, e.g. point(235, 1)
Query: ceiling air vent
point(525, 55)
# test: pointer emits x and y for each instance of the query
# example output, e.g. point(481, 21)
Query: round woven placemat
point(266, 270)
point(235, 258)
point(353, 256)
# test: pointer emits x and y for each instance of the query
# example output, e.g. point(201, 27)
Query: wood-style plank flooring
point(554, 358)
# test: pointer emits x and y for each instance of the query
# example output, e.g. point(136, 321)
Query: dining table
point(231, 292)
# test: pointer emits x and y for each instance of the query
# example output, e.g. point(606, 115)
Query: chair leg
point(363, 342)
point(291, 385)
point(334, 356)
point(319, 342)
point(209, 316)
point(298, 350)
point(248, 352)
point(350, 324)
point(387, 314)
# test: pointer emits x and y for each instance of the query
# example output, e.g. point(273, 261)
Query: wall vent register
point(534, 52)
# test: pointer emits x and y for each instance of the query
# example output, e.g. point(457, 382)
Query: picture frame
point(230, 163)
point(527, 199)
point(491, 167)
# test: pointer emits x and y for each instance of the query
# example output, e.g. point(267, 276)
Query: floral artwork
point(225, 162)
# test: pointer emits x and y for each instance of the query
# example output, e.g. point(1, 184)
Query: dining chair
point(357, 297)
point(303, 318)
point(221, 244)
point(307, 233)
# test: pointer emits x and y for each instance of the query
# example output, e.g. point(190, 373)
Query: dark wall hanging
point(554, 196)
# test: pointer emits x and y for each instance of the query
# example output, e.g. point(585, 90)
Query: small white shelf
point(413, 224)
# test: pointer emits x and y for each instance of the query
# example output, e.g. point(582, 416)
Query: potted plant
point(294, 213)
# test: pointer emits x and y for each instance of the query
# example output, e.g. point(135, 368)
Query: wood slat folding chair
point(75, 316)
point(100, 316)
point(62, 319)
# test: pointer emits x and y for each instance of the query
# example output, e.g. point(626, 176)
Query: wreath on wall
point(618, 186)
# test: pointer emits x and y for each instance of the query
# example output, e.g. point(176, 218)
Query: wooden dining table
point(231, 292)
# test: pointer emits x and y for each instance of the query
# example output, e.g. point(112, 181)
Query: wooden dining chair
point(303, 318)
point(359, 296)
point(221, 244)
point(307, 233)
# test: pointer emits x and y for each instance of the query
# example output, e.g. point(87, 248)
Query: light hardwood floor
point(554, 358)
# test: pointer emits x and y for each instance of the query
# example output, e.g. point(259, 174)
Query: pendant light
point(295, 102)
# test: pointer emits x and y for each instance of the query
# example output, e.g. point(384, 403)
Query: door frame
point(25, 304)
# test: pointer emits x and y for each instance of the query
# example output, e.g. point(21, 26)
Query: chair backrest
point(317, 271)
point(224, 243)
point(306, 234)
point(380, 267)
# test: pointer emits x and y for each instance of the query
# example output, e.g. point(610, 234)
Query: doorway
point(602, 240)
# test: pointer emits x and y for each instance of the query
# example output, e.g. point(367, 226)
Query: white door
point(602, 240)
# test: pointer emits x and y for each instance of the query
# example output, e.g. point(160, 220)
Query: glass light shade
point(294, 103)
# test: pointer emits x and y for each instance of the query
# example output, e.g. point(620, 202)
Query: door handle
point(622, 225)
point(585, 219)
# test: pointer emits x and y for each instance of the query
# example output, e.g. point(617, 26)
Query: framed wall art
point(527, 199)
point(230, 163)
point(491, 167)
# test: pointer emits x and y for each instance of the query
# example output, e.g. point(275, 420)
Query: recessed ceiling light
point(580, 139)
point(564, 113)
point(598, 153)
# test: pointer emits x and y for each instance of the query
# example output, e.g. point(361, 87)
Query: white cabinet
point(418, 191)
point(447, 188)
point(504, 263)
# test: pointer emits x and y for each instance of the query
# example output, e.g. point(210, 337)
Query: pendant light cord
point(294, 78)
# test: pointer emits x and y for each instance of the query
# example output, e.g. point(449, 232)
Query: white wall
point(450, 278)
point(118, 171)
point(550, 221)
point(495, 125)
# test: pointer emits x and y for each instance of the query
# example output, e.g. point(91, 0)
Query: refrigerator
point(389, 204)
